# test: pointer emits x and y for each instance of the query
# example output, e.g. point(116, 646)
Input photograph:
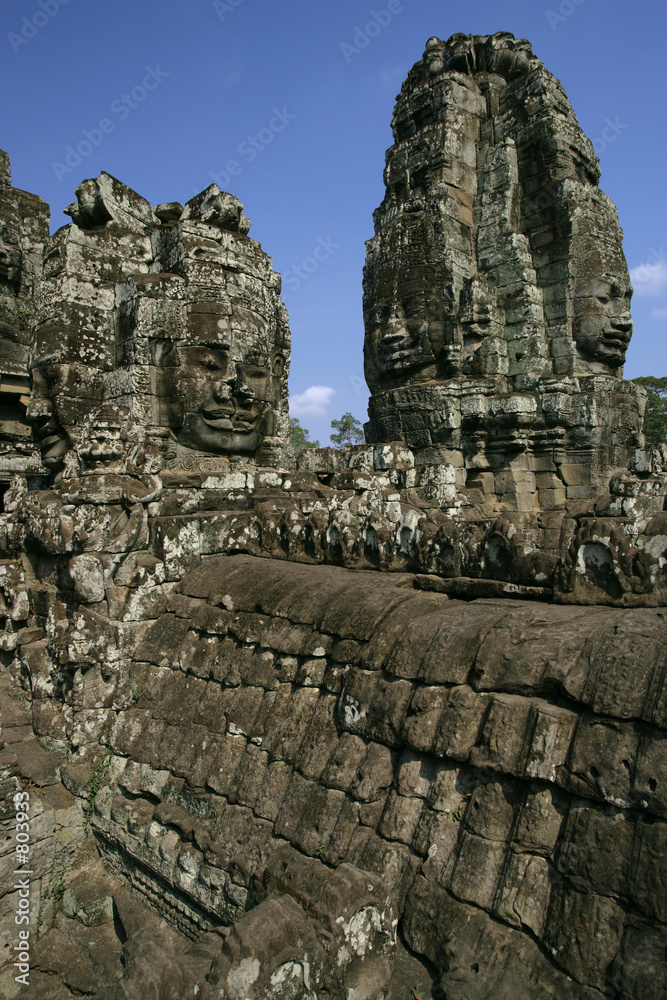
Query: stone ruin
point(370, 724)
point(171, 317)
point(496, 291)
point(24, 231)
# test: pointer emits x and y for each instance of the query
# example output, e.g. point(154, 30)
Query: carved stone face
point(507, 56)
point(62, 397)
point(434, 56)
point(404, 331)
point(10, 253)
point(101, 443)
point(228, 389)
point(42, 412)
point(602, 324)
point(499, 54)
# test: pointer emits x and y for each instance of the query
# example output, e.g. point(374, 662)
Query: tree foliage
point(348, 430)
point(300, 436)
point(655, 420)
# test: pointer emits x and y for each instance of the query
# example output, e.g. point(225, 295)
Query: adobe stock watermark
point(122, 107)
point(252, 146)
point(298, 273)
point(30, 26)
point(21, 874)
point(565, 9)
point(223, 7)
point(610, 133)
point(378, 21)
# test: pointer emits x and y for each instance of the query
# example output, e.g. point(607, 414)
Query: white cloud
point(311, 403)
point(659, 313)
point(650, 278)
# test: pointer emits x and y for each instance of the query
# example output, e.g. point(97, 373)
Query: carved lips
point(52, 438)
point(237, 419)
point(602, 324)
point(226, 399)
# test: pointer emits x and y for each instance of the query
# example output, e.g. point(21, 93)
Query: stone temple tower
point(496, 291)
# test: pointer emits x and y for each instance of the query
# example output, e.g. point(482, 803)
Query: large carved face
point(479, 320)
point(229, 386)
point(602, 324)
point(62, 396)
point(434, 56)
point(405, 329)
point(500, 54)
point(10, 253)
point(42, 412)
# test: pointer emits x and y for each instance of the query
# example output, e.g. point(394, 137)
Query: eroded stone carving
point(177, 319)
point(332, 783)
point(24, 226)
point(496, 292)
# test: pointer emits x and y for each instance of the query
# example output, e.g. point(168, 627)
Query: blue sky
point(268, 99)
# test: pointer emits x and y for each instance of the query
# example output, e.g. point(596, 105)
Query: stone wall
point(390, 723)
point(480, 783)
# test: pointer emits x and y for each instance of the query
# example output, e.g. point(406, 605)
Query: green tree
point(300, 436)
point(655, 420)
point(348, 431)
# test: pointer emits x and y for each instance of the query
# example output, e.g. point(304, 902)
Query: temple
point(361, 724)
point(496, 291)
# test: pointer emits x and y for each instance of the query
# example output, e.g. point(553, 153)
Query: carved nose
point(393, 329)
point(623, 323)
point(222, 390)
point(241, 388)
point(39, 409)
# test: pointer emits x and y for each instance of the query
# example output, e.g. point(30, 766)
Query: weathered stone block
point(460, 724)
point(502, 740)
point(525, 893)
point(318, 821)
point(344, 762)
point(599, 748)
point(540, 821)
point(584, 933)
point(401, 818)
point(272, 792)
point(293, 807)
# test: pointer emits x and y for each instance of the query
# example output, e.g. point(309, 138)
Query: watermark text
point(298, 273)
point(22, 873)
point(377, 22)
point(31, 25)
point(252, 146)
point(565, 9)
point(121, 108)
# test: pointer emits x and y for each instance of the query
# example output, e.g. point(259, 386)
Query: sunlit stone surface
point(382, 723)
point(496, 291)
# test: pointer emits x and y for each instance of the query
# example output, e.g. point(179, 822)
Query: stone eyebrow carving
point(385, 719)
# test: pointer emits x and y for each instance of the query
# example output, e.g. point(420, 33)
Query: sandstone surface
point(372, 724)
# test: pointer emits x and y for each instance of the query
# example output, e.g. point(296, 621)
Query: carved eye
point(603, 299)
point(210, 364)
point(414, 308)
